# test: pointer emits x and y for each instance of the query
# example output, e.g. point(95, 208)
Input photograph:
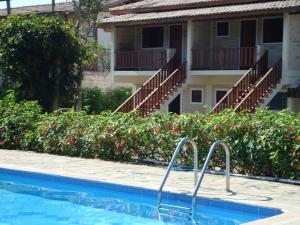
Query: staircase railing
point(147, 88)
point(247, 81)
point(261, 89)
point(153, 101)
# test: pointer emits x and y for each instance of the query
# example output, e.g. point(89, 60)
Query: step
point(182, 217)
point(175, 206)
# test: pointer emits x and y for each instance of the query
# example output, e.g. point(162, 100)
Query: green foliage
point(97, 57)
point(41, 58)
point(86, 12)
point(94, 100)
point(264, 143)
point(18, 122)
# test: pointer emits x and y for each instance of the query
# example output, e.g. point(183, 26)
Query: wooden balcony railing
point(140, 60)
point(261, 89)
point(153, 101)
point(223, 58)
point(239, 90)
point(160, 76)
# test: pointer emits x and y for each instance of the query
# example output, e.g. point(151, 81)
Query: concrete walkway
point(249, 191)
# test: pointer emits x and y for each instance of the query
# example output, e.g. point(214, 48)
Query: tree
point(86, 13)
point(41, 59)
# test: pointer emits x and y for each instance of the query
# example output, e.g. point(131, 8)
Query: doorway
point(248, 41)
point(176, 42)
point(174, 106)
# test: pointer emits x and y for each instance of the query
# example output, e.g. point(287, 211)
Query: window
point(196, 96)
point(273, 30)
point(220, 93)
point(153, 37)
point(222, 29)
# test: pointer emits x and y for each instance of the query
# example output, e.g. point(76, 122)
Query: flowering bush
point(264, 143)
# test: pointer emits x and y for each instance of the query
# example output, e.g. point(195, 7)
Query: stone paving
point(250, 191)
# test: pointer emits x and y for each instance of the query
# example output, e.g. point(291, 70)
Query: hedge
point(264, 143)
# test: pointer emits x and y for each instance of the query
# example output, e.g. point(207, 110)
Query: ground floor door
point(248, 42)
point(176, 41)
point(174, 106)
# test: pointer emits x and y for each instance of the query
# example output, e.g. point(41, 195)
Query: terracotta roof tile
point(160, 4)
point(63, 8)
point(261, 7)
point(66, 7)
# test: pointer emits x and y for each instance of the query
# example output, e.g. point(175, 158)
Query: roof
point(249, 9)
point(148, 5)
point(60, 8)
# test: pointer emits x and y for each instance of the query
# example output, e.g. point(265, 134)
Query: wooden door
point(248, 43)
point(176, 41)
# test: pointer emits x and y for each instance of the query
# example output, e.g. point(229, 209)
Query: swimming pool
point(35, 199)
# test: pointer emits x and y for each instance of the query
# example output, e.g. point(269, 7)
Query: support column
point(8, 7)
point(112, 53)
point(210, 102)
point(285, 47)
point(190, 35)
point(293, 104)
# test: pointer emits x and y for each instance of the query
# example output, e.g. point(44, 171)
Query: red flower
point(158, 130)
point(71, 140)
point(113, 139)
point(292, 129)
point(288, 136)
point(122, 143)
point(217, 126)
point(174, 131)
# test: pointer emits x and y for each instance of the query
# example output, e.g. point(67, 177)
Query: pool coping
point(290, 215)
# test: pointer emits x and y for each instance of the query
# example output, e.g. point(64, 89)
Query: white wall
point(104, 37)
point(291, 48)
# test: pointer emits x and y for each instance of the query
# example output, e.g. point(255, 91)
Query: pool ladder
point(190, 212)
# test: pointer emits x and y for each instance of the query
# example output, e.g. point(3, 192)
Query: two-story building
point(194, 55)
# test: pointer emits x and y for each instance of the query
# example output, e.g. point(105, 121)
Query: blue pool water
point(38, 199)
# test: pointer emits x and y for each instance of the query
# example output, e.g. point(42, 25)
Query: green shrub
point(95, 101)
point(264, 143)
point(41, 59)
point(18, 121)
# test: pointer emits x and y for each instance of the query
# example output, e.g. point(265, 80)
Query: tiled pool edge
point(218, 203)
point(77, 168)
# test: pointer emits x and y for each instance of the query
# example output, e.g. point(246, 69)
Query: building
point(195, 55)
point(65, 10)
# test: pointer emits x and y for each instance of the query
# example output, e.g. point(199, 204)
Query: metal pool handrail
point(171, 164)
point(205, 166)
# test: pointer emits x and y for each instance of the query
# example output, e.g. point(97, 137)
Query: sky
point(18, 3)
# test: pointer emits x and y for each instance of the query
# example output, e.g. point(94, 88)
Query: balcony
point(140, 60)
point(223, 58)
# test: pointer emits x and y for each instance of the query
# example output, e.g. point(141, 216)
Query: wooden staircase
point(252, 88)
point(261, 89)
point(157, 89)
